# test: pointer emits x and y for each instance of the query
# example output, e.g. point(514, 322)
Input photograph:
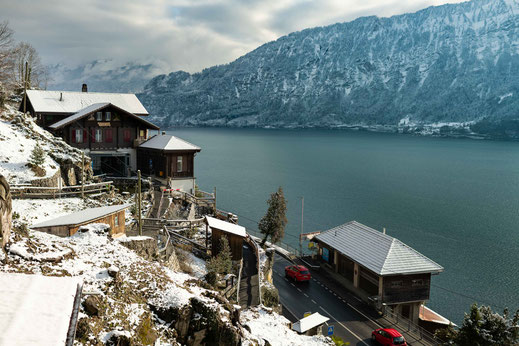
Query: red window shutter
point(93, 138)
point(108, 134)
point(127, 135)
point(85, 136)
point(73, 139)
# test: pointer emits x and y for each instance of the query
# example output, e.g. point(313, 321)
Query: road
point(350, 323)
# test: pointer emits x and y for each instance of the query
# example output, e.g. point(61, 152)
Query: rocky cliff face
point(450, 69)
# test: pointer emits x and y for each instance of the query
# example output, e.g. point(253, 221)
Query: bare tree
point(6, 52)
point(37, 75)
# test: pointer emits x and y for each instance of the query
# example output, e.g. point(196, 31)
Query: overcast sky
point(176, 34)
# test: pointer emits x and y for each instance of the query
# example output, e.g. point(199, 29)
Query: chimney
point(84, 88)
point(61, 96)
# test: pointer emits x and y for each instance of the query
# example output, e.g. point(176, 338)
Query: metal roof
point(82, 216)
point(309, 322)
point(379, 252)
point(94, 108)
point(168, 142)
point(48, 101)
point(226, 226)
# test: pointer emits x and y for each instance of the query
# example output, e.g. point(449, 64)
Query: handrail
point(167, 241)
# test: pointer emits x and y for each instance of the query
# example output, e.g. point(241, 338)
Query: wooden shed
point(68, 225)
point(235, 234)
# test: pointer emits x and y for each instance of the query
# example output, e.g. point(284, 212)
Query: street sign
point(330, 330)
point(308, 313)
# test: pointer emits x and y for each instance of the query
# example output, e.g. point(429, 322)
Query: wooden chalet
point(235, 235)
point(68, 225)
point(378, 267)
point(107, 126)
point(170, 159)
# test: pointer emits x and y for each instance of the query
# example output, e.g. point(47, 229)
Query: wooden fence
point(29, 191)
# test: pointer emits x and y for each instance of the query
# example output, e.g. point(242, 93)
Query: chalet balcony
point(406, 295)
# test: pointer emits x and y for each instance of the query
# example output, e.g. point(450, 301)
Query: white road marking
point(360, 300)
point(293, 285)
point(313, 301)
point(299, 290)
point(348, 329)
point(306, 295)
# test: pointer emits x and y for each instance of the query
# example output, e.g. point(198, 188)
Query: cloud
point(175, 34)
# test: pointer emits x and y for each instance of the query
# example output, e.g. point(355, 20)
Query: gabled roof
point(94, 108)
point(226, 226)
point(379, 252)
point(47, 101)
point(309, 322)
point(82, 216)
point(168, 143)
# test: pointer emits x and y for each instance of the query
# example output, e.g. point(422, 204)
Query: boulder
point(92, 305)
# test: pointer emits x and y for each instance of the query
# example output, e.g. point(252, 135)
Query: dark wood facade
point(235, 243)
point(109, 128)
point(166, 164)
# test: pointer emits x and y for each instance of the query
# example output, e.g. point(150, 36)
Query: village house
point(107, 126)
point(378, 267)
point(169, 159)
point(68, 225)
point(234, 234)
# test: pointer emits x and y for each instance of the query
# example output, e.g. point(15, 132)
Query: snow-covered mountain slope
point(103, 76)
point(447, 68)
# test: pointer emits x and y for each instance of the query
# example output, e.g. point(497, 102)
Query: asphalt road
point(350, 323)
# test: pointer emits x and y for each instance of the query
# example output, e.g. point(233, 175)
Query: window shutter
point(85, 136)
point(108, 134)
point(73, 136)
point(93, 138)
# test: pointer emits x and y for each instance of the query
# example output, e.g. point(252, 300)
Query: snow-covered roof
point(94, 108)
point(82, 216)
point(35, 309)
point(226, 226)
point(47, 101)
point(309, 322)
point(379, 252)
point(168, 142)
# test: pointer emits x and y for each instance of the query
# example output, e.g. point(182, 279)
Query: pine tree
point(221, 263)
point(273, 223)
point(37, 156)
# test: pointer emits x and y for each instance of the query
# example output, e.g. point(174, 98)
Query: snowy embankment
point(19, 135)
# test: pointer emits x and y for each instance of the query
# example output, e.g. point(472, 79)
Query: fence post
point(139, 198)
point(83, 174)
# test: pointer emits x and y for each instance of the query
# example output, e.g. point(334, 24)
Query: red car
point(388, 337)
point(297, 273)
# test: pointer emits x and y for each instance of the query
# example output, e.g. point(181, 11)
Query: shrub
point(210, 277)
point(270, 296)
point(37, 156)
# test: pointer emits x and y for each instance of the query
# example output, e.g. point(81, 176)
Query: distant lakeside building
point(112, 129)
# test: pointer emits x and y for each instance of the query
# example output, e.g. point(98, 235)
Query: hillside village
point(132, 289)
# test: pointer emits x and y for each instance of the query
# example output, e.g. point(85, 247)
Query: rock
point(92, 305)
point(113, 271)
point(144, 246)
point(119, 339)
point(70, 175)
point(83, 329)
point(197, 338)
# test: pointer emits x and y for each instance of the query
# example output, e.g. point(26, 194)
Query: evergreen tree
point(221, 263)
point(481, 327)
point(37, 156)
point(273, 223)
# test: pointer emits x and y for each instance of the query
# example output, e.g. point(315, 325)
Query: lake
point(454, 200)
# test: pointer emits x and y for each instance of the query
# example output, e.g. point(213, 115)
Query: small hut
point(68, 225)
point(235, 235)
point(310, 325)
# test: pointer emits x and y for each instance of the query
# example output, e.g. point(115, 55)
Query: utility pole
point(25, 88)
point(214, 194)
point(83, 175)
point(139, 199)
point(301, 236)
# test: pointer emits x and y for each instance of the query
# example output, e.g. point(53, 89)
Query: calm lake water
point(454, 200)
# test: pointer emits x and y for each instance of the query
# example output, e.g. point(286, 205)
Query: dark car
point(387, 337)
point(297, 273)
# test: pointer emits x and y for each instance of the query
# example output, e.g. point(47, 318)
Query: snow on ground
point(197, 265)
point(33, 211)
point(269, 326)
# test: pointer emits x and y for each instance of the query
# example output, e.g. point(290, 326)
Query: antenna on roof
point(61, 96)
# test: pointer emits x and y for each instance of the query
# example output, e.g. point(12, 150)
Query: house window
point(417, 283)
point(99, 135)
point(99, 116)
point(126, 135)
point(79, 136)
point(116, 221)
point(109, 135)
point(179, 163)
point(142, 133)
point(397, 284)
